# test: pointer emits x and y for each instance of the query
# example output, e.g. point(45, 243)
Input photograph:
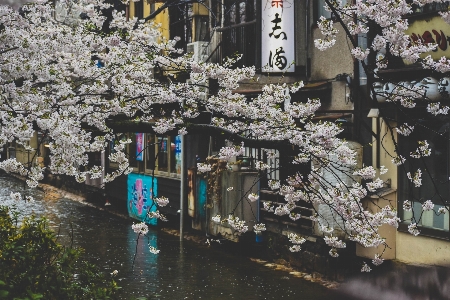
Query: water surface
point(180, 271)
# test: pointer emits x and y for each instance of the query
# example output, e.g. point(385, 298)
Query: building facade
point(432, 245)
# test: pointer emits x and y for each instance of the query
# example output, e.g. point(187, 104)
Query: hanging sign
point(139, 146)
point(178, 154)
point(277, 40)
point(434, 30)
point(141, 191)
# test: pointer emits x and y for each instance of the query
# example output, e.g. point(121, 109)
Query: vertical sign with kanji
point(277, 40)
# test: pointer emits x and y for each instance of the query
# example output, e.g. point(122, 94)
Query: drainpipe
point(182, 186)
point(222, 12)
point(307, 33)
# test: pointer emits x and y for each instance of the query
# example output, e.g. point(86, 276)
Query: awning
point(316, 86)
point(330, 116)
point(308, 87)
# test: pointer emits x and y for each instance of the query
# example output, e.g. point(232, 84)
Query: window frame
point(142, 166)
point(171, 157)
point(406, 189)
point(249, 14)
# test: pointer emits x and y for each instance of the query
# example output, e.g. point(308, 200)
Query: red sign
point(277, 3)
point(433, 37)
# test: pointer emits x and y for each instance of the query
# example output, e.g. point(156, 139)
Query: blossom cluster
point(416, 178)
point(422, 151)
point(162, 201)
point(297, 241)
point(405, 129)
point(259, 228)
point(253, 197)
point(156, 215)
point(237, 224)
point(140, 228)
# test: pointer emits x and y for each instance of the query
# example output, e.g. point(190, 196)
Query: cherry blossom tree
point(50, 80)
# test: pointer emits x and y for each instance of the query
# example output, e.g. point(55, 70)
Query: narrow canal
point(180, 271)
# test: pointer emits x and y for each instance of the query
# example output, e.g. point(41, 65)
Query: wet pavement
point(182, 270)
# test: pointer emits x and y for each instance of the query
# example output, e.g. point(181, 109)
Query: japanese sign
point(434, 30)
point(139, 146)
point(178, 154)
point(277, 40)
point(141, 190)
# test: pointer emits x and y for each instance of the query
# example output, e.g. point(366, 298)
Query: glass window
point(150, 151)
point(216, 14)
point(175, 154)
point(173, 167)
point(435, 174)
point(163, 154)
point(132, 150)
point(239, 11)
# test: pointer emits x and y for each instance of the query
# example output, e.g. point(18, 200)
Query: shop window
point(175, 155)
point(132, 150)
point(163, 154)
point(166, 152)
point(150, 151)
point(435, 175)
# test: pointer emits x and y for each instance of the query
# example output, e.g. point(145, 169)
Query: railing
point(277, 223)
point(239, 39)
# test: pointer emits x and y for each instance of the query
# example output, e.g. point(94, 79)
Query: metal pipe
point(182, 186)
point(307, 31)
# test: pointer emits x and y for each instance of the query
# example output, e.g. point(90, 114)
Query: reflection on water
point(181, 271)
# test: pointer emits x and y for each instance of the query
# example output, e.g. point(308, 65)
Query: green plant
point(34, 266)
point(213, 178)
point(238, 162)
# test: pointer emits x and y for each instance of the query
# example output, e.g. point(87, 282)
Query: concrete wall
point(325, 65)
point(235, 201)
point(336, 60)
point(374, 204)
point(422, 250)
point(406, 247)
point(386, 148)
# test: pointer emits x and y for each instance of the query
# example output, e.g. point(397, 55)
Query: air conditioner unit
point(200, 50)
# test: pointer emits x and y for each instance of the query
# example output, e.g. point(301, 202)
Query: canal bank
point(313, 260)
point(312, 263)
point(183, 270)
point(211, 270)
point(261, 253)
